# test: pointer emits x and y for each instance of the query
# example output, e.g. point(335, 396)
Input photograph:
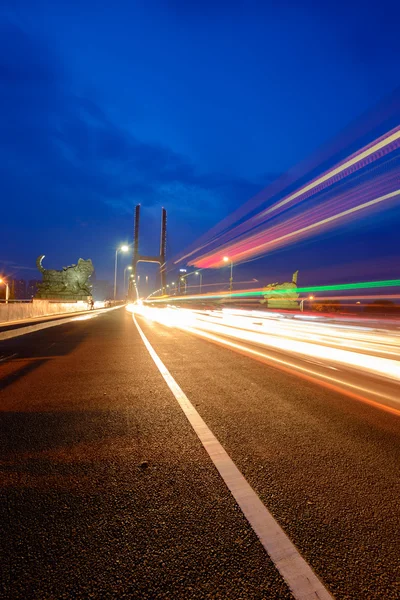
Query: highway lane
point(107, 489)
point(326, 465)
point(359, 357)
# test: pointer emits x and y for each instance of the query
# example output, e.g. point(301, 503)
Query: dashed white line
point(9, 357)
point(299, 576)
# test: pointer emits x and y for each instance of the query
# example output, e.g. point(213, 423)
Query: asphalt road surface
point(107, 492)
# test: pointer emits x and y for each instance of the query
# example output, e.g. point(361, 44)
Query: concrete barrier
point(16, 311)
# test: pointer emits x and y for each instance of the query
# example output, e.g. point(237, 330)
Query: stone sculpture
point(71, 283)
point(282, 295)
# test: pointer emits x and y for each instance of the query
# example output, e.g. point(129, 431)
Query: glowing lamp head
point(124, 248)
point(196, 272)
point(1, 280)
point(226, 259)
point(311, 297)
point(129, 268)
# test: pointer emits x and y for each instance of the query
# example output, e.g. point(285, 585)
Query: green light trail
point(318, 288)
point(349, 286)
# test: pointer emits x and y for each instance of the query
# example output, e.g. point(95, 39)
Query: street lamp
point(201, 279)
point(123, 248)
point(7, 288)
point(302, 302)
point(227, 259)
point(183, 278)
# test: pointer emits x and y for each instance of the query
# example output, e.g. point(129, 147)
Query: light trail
point(358, 351)
point(333, 203)
point(281, 292)
point(256, 245)
point(375, 152)
point(381, 121)
point(365, 181)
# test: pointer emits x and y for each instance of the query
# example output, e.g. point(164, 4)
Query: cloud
point(61, 155)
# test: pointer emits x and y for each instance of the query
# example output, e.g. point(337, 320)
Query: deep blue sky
point(191, 105)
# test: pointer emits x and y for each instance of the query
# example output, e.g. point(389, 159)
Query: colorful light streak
point(262, 292)
point(257, 245)
point(368, 179)
point(374, 151)
point(382, 118)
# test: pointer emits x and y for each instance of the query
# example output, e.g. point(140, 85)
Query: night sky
point(194, 106)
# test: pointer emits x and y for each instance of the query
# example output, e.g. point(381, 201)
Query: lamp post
point(123, 248)
point(302, 302)
point(183, 278)
point(201, 279)
point(7, 288)
point(227, 259)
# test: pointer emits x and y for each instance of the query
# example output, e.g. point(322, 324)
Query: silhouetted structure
point(137, 257)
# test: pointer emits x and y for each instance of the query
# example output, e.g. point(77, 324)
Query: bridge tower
point(137, 257)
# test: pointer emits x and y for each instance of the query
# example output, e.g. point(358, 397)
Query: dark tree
point(329, 306)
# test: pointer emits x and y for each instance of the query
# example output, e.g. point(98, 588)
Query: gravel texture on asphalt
point(106, 492)
point(325, 465)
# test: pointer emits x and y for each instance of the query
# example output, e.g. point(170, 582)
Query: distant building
point(32, 287)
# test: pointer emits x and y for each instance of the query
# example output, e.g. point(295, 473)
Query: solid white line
point(12, 333)
point(301, 579)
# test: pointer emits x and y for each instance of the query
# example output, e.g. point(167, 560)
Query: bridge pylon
point(137, 257)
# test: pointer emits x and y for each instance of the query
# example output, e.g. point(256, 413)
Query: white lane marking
point(301, 579)
point(12, 333)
